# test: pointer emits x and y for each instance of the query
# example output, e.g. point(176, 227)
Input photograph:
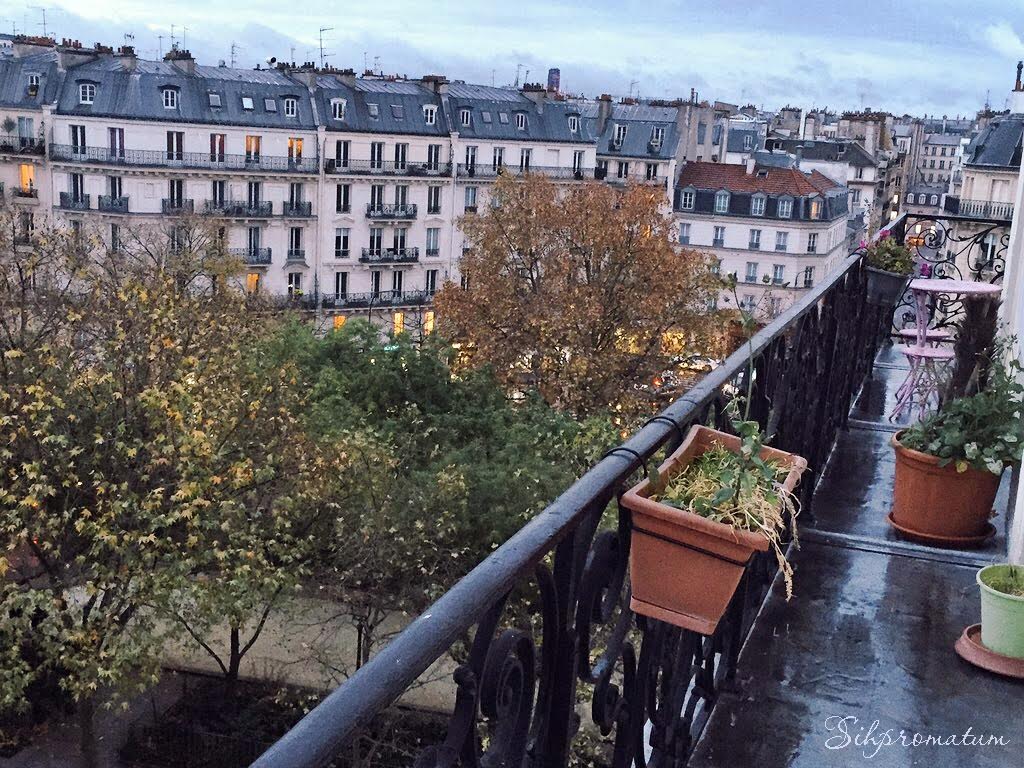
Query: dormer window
point(757, 205)
point(338, 109)
point(291, 106)
point(247, 103)
point(686, 198)
point(170, 98)
point(785, 208)
point(722, 202)
point(620, 135)
point(465, 117)
point(748, 142)
point(574, 123)
point(430, 114)
point(657, 136)
point(33, 81)
point(521, 121)
point(815, 209)
point(86, 93)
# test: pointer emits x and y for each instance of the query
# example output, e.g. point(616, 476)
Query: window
point(28, 176)
point(114, 186)
point(470, 199)
point(620, 135)
point(341, 148)
point(574, 123)
point(338, 109)
point(781, 241)
point(33, 80)
point(622, 169)
point(252, 148)
point(465, 117)
point(398, 280)
point(521, 121)
point(719, 237)
point(270, 105)
point(401, 155)
point(218, 141)
point(170, 98)
point(252, 283)
point(431, 281)
point(755, 239)
point(291, 106)
point(433, 241)
point(175, 145)
point(748, 142)
point(343, 198)
point(429, 114)
point(751, 275)
point(294, 148)
point(686, 200)
point(859, 173)
point(722, 202)
point(247, 103)
point(657, 136)
point(815, 209)
point(294, 283)
point(375, 283)
point(485, 116)
point(433, 199)
point(401, 195)
point(376, 239)
point(778, 274)
point(503, 118)
point(812, 242)
point(376, 196)
point(428, 322)
point(855, 196)
point(397, 111)
point(218, 192)
point(934, 200)
point(115, 237)
point(373, 110)
point(757, 205)
point(78, 139)
point(785, 208)
point(295, 250)
point(254, 193)
point(214, 99)
point(498, 158)
point(398, 321)
point(86, 93)
point(341, 284)
point(376, 155)
point(471, 159)
point(808, 277)
point(341, 243)
point(910, 198)
point(77, 187)
point(577, 161)
point(525, 156)
point(651, 171)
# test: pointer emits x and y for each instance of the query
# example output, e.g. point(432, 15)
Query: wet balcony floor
point(868, 635)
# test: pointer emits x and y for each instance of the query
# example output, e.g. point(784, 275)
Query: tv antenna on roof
point(519, 68)
point(234, 52)
point(322, 30)
point(42, 10)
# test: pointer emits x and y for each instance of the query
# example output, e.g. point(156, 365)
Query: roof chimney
point(182, 61)
point(535, 92)
point(604, 111)
point(436, 83)
point(751, 164)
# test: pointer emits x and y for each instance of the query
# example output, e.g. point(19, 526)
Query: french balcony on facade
point(253, 257)
point(390, 255)
point(110, 204)
point(155, 158)
point(239, 209)
point(387, 168)
point(978, 209)
point(376, 299)
point(12, 143)
point(71, 202)
point(295, 256)
point(25, 193)
point(176, 207)
point(394, 212)
point(487, 171)
point(297, 209)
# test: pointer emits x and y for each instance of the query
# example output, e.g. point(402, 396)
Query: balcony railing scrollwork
point(391, 212)
point(21, 145)
point(378, 299)
point(239, 209)
point(297, 208)
point(651, 686)
point(198, 160)
point(387, 168)
point(176, 206)
point(390, 255)
point(72, 202)
point(110, 204)
point(254, 257)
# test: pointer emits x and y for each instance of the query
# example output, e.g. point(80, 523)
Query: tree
point(576, 290)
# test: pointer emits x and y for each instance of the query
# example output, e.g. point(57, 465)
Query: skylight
point(373, 109)
point(270, 105)
point(247, 102)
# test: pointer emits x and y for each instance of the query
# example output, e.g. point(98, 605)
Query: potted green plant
point(700, 517)
point(1002, 609)
point(889, 267)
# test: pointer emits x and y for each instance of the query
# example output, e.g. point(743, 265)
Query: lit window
point(428, 322)
point(815, 209)
point(252, 282)
point(722, 202)
point(86, 93)
point(465, 117)
point(398, 324)
point(339, 322)
point(521, 121)
point(429, 114)
point(574, 123)
point(28, 176)
point(247, 102)
point(291, 107)
point(170, 98)
point(338, 109)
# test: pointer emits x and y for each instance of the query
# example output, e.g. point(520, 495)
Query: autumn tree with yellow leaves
point(578, 290)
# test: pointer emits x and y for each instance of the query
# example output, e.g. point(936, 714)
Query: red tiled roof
point(778, 181)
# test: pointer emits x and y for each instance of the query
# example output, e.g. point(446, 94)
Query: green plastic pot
point(1002, 615)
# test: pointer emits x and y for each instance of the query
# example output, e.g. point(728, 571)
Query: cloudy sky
point(919, 56)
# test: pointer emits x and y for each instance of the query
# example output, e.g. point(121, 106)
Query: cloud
point(1004, 40)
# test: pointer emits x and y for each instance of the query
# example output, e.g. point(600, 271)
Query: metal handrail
point(202, 160)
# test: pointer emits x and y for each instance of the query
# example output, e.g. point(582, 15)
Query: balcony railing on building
point(396, 211)
point(387, 168)
point(297, 208)
point(978, 209)
point(25, 192)
point(295, 254)
point(110, 204)
point(176, 206)
point(21, 145)
point(490, 171)
point(251, 162)
point(254, 257)
point(390, 255)
point(240, 209)
point(72, 202)
point(376, 299)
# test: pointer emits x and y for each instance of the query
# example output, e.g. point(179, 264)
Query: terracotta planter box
point(685, 568)
point(938, 505)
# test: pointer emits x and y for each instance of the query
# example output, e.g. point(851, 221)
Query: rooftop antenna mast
point(160, 42)
point(234, 53)
point(42, 10)
point(519, 68)
point(631, 84)
point(376, 65)
point(172, 37)
point(184, 38)
point(322, 30)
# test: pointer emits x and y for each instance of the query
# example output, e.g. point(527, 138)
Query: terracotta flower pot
point(684, 568)
point(885, 288)
point(938, 505)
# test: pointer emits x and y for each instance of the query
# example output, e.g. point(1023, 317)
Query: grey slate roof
point(640, 121)
point(14, 75)
point(493, 110)
point(138, 94)
point(775, 159)
point(948, 139)
point(399, 106)
point(999, 144)
point(737, 139)
point(839, 150)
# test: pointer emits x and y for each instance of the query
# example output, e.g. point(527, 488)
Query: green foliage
point(888, 255)
point(983, 431)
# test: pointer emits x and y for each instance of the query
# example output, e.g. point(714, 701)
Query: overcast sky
point(919, 56)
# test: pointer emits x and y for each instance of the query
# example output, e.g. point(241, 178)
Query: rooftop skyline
point(928, 58)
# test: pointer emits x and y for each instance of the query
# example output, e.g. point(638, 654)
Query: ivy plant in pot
point(948, 466)
point(700, 517)
point(889, 268)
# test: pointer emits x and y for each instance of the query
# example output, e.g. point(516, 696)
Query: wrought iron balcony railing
point(27, 192)
point(978, 209)
point(390, 255)
point(387, 168)
point(297, 209)
point(72, 202)
point(110, 204)
point(197, 160)
point(485, 171)
point(254, 257)
point(378, 299)
point(296, 254)
point(175, 206)
point(239, 209)
point(12, 143)
point(396, 211)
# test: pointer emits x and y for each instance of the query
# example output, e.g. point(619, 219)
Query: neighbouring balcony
point(12, 143)
point(387, 168)
point(378, 299)
point(390, 255)
point(978, 209)
point(295, 255)
point(176, 207)
point(109, 204)
point(239, 209)
point(253, 257)
point(28, 193)
point(71, 202)
point(489, 171)
point(391, 212)
point(297, 209)
point(190, 160)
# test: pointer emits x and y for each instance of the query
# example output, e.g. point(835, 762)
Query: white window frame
point(521, 121)
point(785, 209)
point(574, 123)
point(466, 117)
point(291, 106)
point(429, 114)
point(722, 197)
point(338, 109)
point(687, 199)
point(86, 93)
point(170, 96)
point(758, 204)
